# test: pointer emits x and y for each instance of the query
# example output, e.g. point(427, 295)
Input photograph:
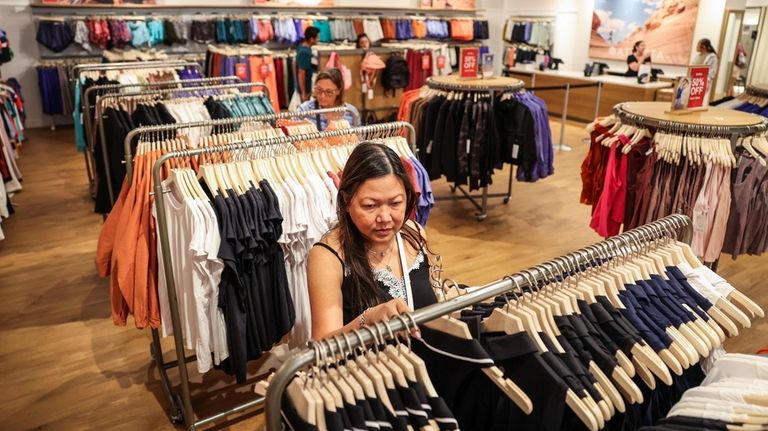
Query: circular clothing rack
point(713, 120)
point(760, 90)
point(490, 85)
point(493, 83)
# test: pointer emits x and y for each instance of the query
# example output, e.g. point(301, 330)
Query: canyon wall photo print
point(666, 27)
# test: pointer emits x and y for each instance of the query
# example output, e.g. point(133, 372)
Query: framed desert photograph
point(666, 27)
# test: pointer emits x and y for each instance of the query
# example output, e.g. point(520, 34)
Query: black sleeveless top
point(389, 285)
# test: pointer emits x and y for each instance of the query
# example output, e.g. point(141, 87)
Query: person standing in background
point(707, 55)
point(306, 65)
point(363, 42)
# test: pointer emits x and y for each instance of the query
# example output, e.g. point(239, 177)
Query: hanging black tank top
point(418, 274)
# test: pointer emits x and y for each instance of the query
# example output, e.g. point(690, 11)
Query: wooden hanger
point(364, 372)
point(459, 329)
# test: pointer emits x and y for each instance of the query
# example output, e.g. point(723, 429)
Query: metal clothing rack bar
point(610, 248)
point(222, 122)
point(184, 407)
point(101, 102)
point(491, 89)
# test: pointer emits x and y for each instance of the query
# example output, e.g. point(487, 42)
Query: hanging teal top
point(77, 119)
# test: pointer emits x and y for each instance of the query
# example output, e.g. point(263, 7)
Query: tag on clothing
point(469, 145)
point(425, 62)
point(240, 71)
point(81, 118)
point(699, 221)
point(264, 70)
point(515, 150)
point(370, 94)
point(365, 88)
point(441, 62)
point(429, 148)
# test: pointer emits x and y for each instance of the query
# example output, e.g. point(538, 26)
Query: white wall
point(18, 24)
point(572, 25)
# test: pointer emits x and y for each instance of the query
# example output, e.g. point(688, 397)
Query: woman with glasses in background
point(329, 93)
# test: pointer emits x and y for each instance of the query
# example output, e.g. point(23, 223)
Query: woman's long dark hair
point(634, 47)
point(369, 160)
point(707, 44)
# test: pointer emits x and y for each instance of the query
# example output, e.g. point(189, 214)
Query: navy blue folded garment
point(54, 35)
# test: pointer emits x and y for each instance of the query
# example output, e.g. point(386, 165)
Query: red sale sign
point(468, 62)
point(698, 91)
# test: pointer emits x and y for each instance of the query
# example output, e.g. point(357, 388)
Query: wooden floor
point(66, 367)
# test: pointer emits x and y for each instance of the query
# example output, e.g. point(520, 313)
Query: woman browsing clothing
point(638, 57)
point(329, 93)
point(374, 264)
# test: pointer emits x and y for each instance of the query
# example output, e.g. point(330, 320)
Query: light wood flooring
point(66, 367)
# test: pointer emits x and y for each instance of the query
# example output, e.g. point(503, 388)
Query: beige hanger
point(459, 329)
point(364, 371)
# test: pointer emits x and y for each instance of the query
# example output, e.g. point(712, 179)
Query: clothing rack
point(490, 86)
point(728, 124)
point(615, 247)
point(183, 410)
point(226, 122)
point(75, 78)
point(102, 102)
point(757, 90)
point(90, 122)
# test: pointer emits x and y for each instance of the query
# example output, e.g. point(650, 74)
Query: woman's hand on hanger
point(387, 311)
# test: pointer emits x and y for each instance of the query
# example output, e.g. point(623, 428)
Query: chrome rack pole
point(187, 410)
point(305, 357)
point(563, 118)
point(597, 97)
point(101, 103)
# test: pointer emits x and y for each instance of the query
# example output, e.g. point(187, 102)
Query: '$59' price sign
point(469, 61)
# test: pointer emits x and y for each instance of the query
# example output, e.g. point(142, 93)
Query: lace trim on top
point(396, 286)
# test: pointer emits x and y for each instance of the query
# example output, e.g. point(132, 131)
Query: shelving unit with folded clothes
point(526, 37)
point(77, 31)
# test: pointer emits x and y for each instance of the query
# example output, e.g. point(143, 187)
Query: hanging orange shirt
point(107, 235)
point(254, 63)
